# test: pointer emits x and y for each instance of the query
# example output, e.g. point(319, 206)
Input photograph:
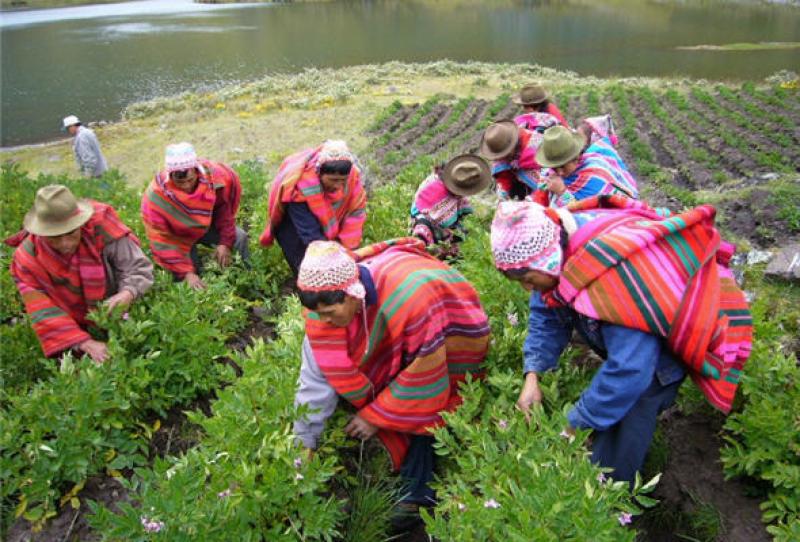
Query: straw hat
point(56, 212)
point(559, 146)
point(500, 139)
point(467, 175)
point(530, 95)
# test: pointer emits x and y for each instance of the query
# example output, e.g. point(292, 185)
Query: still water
point(94, 60)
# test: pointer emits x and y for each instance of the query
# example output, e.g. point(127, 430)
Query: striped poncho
point(435, 211)
point(59, 291)
point(175, 220)
point(523, 168)
point(665, 276)
point(600, 172)
point(424, 334)
point(341, 214)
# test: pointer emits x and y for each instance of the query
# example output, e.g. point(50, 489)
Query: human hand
point(96, 350)
point(555, 184)
point(360, 428)
point(223, 255)
point(120, 299)
point(193, 280)
point(531, 395)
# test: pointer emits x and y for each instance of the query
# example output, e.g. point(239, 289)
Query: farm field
point(186, 434)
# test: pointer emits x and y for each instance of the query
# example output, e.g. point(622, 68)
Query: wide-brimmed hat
point(559, 146)
point(56, 212)
point(467, 175)
point(530, 95)
point(70, 120)
point(499, 139)
point(180, 156)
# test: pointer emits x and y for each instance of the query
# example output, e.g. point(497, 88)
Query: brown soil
point(755, 218)
point(693, 477)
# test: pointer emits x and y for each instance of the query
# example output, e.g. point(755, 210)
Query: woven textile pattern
point(175, 220)
point(58, 292)
point(662, 276)
point(426, 332)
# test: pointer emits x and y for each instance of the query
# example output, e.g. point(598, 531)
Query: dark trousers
point(417, 471)
point(211, 239)
point(623, 447)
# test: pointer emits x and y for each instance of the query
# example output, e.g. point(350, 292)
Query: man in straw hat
point(651, 295)
point(86, 147)
point(71, 256)
point(512, 150)
point(539, 113)
point(441, 202)
point(192, 201)
point(580, 170)
point(394, 331)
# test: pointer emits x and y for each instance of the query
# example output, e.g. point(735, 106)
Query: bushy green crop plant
point(21, 360)
point(455, 114)
point(247, 480)
point(592, 103)
point(509, 480)
point(385, 115)
point(763, 440)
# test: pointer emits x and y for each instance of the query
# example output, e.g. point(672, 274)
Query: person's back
point(86, 148)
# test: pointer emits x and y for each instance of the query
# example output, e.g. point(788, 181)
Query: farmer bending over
point(71, 256)
point(192, 201)
point(317, 195)
point(393, 330)
point(646, 293)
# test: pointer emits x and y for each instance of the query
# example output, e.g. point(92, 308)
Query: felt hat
point(559, 146)
point(499, 139)
point(467, 175)
point(55, 211)
point(70, 120)
point(530, 95)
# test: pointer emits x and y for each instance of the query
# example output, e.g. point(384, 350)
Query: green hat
point(500, 139)
point(56, 212)
point(559, 146)
point(467, 175)
point(530, 95)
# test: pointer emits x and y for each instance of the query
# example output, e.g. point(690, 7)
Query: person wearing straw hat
point(86, 148)
point(652, 295)
point(441, 202)
point(580, 170)
point(394, 331)
point(538, 111)
point(512, 150)
point(72, 256)
point(193, 201)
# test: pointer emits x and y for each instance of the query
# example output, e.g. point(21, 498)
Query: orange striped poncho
point(59, 291)
point(424, 334)
point(664, 276)
point(174, 220)
point(340, 214)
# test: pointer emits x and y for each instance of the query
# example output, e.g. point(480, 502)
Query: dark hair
point(311, 300)
point(515, 272)
point(541, 107)
point(336, 167)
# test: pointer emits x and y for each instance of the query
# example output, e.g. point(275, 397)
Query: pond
point(94, 60)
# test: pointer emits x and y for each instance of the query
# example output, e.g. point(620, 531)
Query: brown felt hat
point(530, 95)
point(56, 212)
point(559, 146)
point(499, 139)
point(467, 175)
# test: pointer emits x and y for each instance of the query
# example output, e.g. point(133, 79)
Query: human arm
point(556, 112)
point(352, 227)
point(314, 391)
point(504, 180)
point(616, 386)
point(132, 271)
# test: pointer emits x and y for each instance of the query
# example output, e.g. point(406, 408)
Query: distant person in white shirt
point(88, 155)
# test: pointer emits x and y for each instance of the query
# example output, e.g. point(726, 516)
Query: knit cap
point(180, 156)
point(524, 237)
point(334, 150)
point(327, 267)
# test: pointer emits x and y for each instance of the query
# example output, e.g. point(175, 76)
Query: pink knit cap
point(327, 267)
point(333, 150)
point(524, 237)
point(180, 156)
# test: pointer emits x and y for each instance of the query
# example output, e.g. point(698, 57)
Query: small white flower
point(462, 507)
point(224, 494)
point(512, 318)
point(502, 424)
point(297, 462)
point(491, 503)
point(298, 476)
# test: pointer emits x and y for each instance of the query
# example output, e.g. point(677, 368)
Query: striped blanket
point(536, 122)
point(426, 332)
point(665, 276)
point(523, 168)
point(174, 220)
point(341, 214)
point(435, 211)
point(59, 291)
